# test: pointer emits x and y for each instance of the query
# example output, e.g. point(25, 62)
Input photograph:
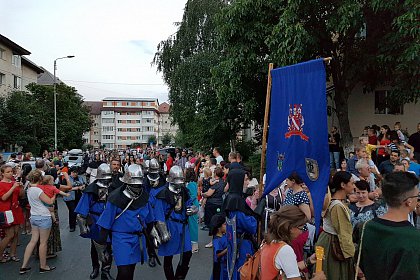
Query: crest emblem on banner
point(312, 169)
point(295, 122)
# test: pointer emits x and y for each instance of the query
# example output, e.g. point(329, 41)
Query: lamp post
point(55, 100)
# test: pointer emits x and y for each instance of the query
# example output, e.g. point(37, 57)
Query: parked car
point(74, 158)
point(168, 150)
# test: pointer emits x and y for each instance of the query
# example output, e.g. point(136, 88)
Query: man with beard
point(116, 175)
point(88, 210)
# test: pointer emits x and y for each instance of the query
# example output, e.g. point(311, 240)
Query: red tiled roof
point(164, 108)
point(94, 106)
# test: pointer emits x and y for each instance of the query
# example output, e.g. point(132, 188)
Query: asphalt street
point(73, 262)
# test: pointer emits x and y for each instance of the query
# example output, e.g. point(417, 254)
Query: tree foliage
point(152, 139)
point(28, 118)
point(216, 64)
point(166, 139)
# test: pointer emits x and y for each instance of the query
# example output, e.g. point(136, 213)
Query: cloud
point(144, 45)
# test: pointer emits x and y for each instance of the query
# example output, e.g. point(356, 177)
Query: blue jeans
point(43, 222)
point(335, 158)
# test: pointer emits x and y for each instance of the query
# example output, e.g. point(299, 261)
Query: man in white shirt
point(216, 154)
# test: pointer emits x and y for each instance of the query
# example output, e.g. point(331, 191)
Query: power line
point(109, 83)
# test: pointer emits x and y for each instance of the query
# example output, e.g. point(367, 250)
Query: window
point(137, 121)
point(2, 79)
point(384, 106)
point(2, 53)
point(16, 60)
point(107, 128)
point(148, 120)
point(96, 141)
point(138, 129)
point(108, 137)
point(120, 121)
point(108, 112)
point(17, 81)
point(107, 120)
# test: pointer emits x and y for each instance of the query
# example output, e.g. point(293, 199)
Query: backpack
point(251, 269)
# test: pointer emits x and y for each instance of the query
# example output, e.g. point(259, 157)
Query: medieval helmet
point(153, 174)
point(176, 176)
point(103, 172)
point(133, 175)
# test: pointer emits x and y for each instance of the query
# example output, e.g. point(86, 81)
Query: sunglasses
point(303, 228)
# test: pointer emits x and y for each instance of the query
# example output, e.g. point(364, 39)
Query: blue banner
point(298, 131)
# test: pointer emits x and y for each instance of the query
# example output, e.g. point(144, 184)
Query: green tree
point(152, 139)
point(186, 60)
point(372, 42)
point(29, 118)
point(166, 139)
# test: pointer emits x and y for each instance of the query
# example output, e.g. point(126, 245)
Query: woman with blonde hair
point(41, 223)
point(277, 255)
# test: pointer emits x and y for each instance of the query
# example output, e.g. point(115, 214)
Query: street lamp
point(55, 100)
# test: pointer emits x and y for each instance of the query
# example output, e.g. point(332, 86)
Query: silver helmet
point(153, 174)
point(133, 175)
point(175, 176)
point(103, 172)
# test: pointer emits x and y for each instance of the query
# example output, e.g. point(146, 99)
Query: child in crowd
point(364, 142)
point(207, 182)
point(397, 128)
point(218, 231)
point(50, 190)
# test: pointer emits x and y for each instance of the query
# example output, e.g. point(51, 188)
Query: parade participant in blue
point(88, 210)
point(218, 231)
point(155, 183)
point(173, 205)
point(124, 219)
point(241, 223)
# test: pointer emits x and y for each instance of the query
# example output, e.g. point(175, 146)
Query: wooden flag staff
point(264, 139)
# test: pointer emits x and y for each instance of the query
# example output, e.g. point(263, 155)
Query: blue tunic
point(173, 246)
point(125, 243)
point(220, 244)
point(193, 219)
point(87, 205)
point(244, 224)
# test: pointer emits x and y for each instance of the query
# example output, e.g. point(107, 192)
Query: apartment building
point(164, 125)
point(16, 71)
point(125, 121)
point(93, 136)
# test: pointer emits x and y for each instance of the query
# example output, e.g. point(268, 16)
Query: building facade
point(118, 123)
point(16, 71)
point(93, 136)
point(165, 126)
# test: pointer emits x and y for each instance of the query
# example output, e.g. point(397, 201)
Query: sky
point(113, 42)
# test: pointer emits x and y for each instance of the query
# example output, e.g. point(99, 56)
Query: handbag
point(336, 251)
point(6, 217)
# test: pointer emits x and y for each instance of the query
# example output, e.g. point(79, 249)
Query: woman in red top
point(10, 192)
point(383, 140)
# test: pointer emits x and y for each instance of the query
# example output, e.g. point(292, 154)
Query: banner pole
point(264, 140)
